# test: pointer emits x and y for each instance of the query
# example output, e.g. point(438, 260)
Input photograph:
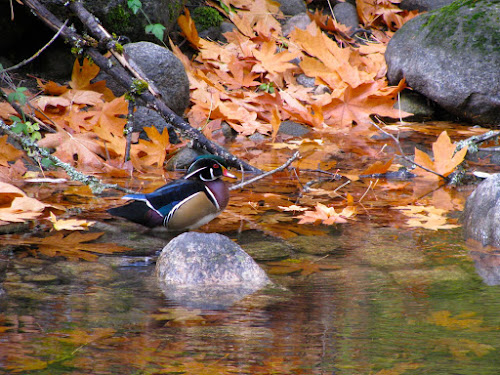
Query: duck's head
point(208, 168)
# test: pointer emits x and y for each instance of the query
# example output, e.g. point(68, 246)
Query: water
point(401, 302)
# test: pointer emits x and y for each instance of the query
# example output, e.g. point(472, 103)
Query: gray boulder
point(207, 271)
point(423, 5)
point(165, 70)
point(161, 67)
point(481, 217)
point(119, 19)
point(346, 14)
point(292, 7)
point(452, 56)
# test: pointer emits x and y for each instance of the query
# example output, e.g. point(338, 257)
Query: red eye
point(216, 165)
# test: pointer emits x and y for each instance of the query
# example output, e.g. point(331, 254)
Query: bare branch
point(261, 176)
point(402, 154)
point(200, 142)
point(93, 182)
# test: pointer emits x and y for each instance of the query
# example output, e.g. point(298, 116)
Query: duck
point(184, 204)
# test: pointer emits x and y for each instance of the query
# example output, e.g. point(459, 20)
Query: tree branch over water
point(124, 78)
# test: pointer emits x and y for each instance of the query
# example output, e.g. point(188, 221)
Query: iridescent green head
point(208, 168)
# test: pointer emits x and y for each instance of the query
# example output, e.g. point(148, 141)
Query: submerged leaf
point(72, 246)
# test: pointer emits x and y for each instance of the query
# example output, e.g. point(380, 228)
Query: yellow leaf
point(327, 215)
point(462, 321)
point(70, 224)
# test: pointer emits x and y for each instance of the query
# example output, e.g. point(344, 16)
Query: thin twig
point(30, 59)
point(475, 140)
point(261, 176)
point(366, 191)
point(402, 154)
point(129, 128)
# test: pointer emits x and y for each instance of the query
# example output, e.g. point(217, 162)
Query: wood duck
point(184, 204)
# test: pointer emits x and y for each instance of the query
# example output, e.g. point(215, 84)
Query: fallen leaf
point(73, 246)
point(16, 206)
point(462, 349)
point(327, 215)
point(304, 266)
point(188, 28)
point(445, 158)
point(69, 224)
point(462, 321)
point(8, 153)
point(428, 217)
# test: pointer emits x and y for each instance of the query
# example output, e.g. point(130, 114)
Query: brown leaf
point(304, 266)
point(73, 246)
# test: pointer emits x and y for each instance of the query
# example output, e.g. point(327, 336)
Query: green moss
point(473, 22)
point(206, 17)
point(137, 88)
point(174, 9)
point(118, 20)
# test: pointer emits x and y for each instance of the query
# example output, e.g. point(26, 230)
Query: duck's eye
point(216, 166)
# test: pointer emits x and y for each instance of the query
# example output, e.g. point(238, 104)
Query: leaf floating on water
point(73, 246)
point(463, 349)
point(180, 317)
point(70, 224)
point(445, 158)
point(428, 217)
point(16, 206)
point(327, 215)
point(461, 321)
point(304, 266)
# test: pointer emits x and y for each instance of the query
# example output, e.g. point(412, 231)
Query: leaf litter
point(251, 84)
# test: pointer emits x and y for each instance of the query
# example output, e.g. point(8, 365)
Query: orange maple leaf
point(238, 75)
point(8, 152)
point(83, 74)
point(271, 62)
point(327, 215)
point(16, 206)
point(358, 104)
point(152, 153)
point(377, 168)
point(446, 158)
point(188, 28)
point(71, 148)
point(51, 87)
point(71, 246)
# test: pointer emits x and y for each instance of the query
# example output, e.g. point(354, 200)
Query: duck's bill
point(226, 173)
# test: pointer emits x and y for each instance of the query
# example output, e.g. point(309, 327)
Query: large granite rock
point(452, 56)
point(481, 217)
point(207, 271)
point(423, 5)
